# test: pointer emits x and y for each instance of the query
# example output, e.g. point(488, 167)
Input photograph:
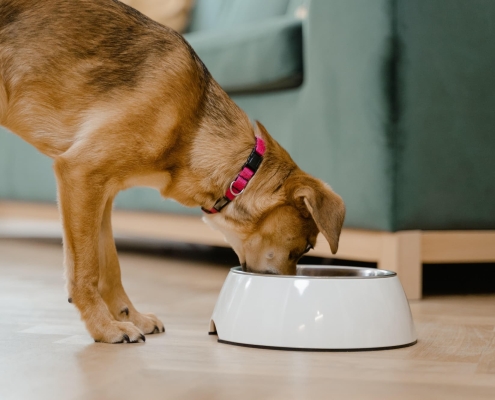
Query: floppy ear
point(326, 207)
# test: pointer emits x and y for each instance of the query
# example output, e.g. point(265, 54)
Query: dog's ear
point(325, 206)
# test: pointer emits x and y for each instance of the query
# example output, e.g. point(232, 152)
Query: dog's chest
point(155, 180)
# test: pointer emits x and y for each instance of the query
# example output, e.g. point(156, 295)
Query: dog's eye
point(293, 255)
point(308, 248)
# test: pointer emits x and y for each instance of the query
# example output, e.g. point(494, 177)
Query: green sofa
point(389, 101)
point(395, 110)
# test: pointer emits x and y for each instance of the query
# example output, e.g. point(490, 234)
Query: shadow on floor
point(438, 279)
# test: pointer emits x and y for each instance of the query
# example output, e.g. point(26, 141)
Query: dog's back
point(64, 60)
point(108, 44)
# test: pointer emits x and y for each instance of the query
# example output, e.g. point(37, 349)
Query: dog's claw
point(142, 338)
point(70, 299)
point(127, 339)
point(156, 329)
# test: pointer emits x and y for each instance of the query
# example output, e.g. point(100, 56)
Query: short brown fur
point(118, 100)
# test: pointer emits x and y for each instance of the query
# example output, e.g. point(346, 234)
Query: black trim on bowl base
point(315, 350)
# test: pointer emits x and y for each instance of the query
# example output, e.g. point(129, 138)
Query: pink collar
point(240, 182)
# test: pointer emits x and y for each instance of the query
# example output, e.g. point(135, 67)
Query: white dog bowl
point(320, 308)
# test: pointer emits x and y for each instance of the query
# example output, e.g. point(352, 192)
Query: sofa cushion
point(261, 56)
point(220, 14)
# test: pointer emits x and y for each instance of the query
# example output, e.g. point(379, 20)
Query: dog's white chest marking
point(155, 180)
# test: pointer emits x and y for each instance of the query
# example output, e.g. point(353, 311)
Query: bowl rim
point(383, 273)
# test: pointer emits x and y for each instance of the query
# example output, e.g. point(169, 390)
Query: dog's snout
point(270, 272)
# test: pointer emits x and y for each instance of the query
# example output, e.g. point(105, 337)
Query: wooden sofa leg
point(401, 253)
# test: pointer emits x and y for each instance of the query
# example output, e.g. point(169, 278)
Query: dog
point(118, 100)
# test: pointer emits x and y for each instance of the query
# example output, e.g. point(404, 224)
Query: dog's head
point(276, 221)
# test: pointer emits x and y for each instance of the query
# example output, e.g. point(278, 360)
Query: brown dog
point(118, 100)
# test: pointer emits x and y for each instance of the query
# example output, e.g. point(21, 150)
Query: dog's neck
point(223, 139)
point(239, 184)
point(265, 190)
point(217, 147)
point(230, 150)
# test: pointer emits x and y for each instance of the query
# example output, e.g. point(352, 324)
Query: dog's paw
point(148, 323)
point(120, 332)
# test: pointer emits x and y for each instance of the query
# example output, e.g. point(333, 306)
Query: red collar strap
point(240, 182)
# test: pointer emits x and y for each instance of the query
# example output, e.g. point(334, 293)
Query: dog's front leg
point(83, 193)
point(110, 283)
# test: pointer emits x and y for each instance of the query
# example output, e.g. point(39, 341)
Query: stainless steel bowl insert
point(327, 272)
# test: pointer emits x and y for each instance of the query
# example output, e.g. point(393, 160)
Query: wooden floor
point(45, 352)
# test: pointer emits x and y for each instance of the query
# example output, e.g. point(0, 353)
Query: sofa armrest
point(261, 56)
